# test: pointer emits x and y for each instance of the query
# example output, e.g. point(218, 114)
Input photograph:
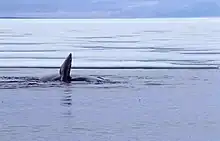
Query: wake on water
point(14, 82)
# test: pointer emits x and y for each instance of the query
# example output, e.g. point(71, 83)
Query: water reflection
point(66, 101)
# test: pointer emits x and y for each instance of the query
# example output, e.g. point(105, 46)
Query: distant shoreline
point(11, 17)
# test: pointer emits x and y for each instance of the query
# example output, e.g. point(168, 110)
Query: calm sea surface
point(144, 104)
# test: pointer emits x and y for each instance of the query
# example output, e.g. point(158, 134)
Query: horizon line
point(109, 18)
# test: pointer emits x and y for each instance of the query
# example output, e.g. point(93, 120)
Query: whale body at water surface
point(64, 74)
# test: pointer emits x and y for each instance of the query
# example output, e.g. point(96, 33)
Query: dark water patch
point(17, 126)
point(164, 60)
point(204, 62)
point(94, 47)
point(152, 31)
point(39, 128)
point(168, 49)
point(81, 129)
point(114, 48)
point(156, 31)
point(149, 83)
point(27, 34)
point(11, 81)
point(96, 37)
point(192, 64)
point(48, 58)
point(195, 34)
point(14, 35)
point(201, 53)
point(105, 132)
point(125, 36)
point(3, 31)
point(68, 41)
point(28, 51)
point(215, 30)
point(161, 39)
point(164, 49)
point(17, 43)
point(116, 41)
point(9, 70)
point(200, 50)
point(6, 130)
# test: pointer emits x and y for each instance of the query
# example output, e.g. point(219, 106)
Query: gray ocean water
point(145, 104)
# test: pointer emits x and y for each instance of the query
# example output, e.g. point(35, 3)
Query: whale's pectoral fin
point(65, 69)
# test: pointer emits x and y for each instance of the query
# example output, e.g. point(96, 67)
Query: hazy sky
point(110, 8)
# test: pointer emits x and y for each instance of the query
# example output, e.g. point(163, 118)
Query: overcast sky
point(110, 8)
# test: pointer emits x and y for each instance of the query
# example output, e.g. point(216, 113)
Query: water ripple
point(31, 51)
point(18, 43)
point(116, 41)
point(96, 37)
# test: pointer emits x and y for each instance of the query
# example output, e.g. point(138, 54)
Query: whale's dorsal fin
point(65, 69)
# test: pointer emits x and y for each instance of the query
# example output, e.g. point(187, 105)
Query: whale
point(64, 74)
